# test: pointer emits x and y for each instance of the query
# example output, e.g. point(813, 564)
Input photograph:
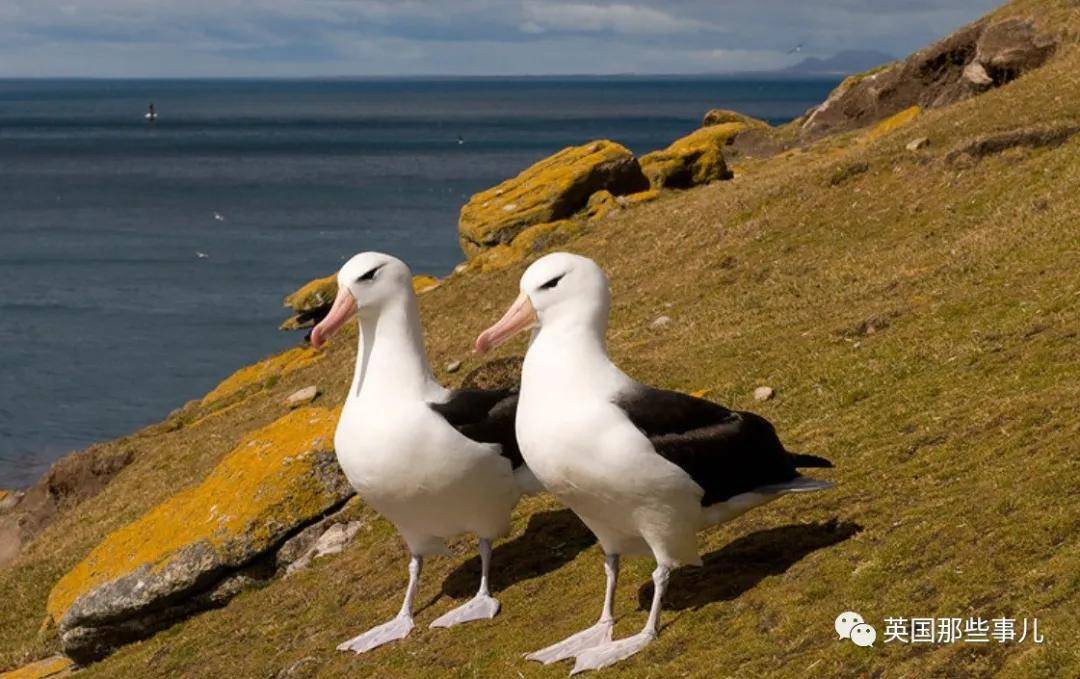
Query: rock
point(1011, 47)
point(70, 481)
point(601, 204)
point(302, 397)
point(8, 499)
point(331, 541)
point(720, 116)
point(695, 159)
point(55, 666)
point(975, 73)
point(660, 322)
point(258, 374)
point(532, 240)
point(938, 75)
point(453, 366)
point(917, 143)
point(422, 283)
point(763, 393)
point(551, 190)
point(179, 556)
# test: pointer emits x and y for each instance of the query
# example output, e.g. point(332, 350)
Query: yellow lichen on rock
point(285, 362)
point(55, 666)
point(894, 122)
point(532, 240)
point(421, 283)
point(600, 205)
point(273, 480)
point(720, 116)
point(550, 190)
point(313, 295)
point(694, 159)
point(641, 197)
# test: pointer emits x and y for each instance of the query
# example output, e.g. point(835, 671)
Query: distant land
point(841, 63)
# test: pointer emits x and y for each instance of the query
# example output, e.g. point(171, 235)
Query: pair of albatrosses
point(645, 469)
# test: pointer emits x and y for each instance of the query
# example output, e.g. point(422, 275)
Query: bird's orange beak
point(343, 309)
point(520, 316)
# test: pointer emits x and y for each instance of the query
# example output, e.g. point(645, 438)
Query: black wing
point(726, 452)
point(485, 416)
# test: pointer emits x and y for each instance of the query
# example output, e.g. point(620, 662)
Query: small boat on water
point(151, 114)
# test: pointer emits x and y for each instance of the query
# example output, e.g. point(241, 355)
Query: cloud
point(412, 37)
point(621, 19)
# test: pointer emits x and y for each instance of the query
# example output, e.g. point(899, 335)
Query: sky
point(295, 38)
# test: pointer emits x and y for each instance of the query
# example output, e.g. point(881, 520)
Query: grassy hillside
point(918, 319)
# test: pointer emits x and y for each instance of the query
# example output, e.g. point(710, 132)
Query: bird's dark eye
point(368, 276)
point(552, 283)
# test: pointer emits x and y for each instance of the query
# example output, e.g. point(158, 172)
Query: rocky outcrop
point(532, 240)
point(973, 59)
point(312, 301)
point(549, 191)
point(1032, 137)
point(695, 159)
point(69, 481)
point(721, 116)
point(190, 551)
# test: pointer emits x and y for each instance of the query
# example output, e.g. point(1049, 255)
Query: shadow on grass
point(743, 563)
point(551, 540)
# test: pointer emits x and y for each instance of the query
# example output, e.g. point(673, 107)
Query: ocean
point(142, 263)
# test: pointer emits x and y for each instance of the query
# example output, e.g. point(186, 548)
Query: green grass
point(953, 427)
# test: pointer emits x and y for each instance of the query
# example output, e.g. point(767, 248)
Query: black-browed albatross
point(436, 463)
point(644, 468)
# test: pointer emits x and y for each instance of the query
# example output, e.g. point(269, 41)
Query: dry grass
point(953, 426)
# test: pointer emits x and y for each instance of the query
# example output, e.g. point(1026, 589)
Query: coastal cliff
point(902, 282)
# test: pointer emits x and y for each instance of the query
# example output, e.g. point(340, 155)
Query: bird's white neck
point(390, 357)
point(570, 359)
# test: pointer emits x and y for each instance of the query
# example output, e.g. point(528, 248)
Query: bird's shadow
point(738, 566)
point(551, 540)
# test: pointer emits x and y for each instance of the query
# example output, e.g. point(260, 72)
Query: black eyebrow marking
point(552, 283)
point(369, 275)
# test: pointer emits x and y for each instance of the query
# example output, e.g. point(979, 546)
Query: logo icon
point(850, 625)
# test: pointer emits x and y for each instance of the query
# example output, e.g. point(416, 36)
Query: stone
point(8, 499)
point(917, 143)
point(894, 122)
point(302, 397)
point(331, 541)
point(531, 241)
point(179, 557)
point(695, 159)
point(975, 73)
point(54, 666)
point(453, 366)
point(553, 189)
point(660, 322)
point(601, 204)
point(763, 393)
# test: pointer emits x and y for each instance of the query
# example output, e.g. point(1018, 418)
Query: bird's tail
point(802, 461)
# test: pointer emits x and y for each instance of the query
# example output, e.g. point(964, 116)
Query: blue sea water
point(108, 317)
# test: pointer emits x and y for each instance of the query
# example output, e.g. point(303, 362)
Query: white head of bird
point(558, 291)
point(367, 284)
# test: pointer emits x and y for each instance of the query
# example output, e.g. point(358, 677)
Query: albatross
point(436, 463)
point(645, 469)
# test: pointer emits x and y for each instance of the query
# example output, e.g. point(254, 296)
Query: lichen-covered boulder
point(720, 116)
point(697, 158)
point(312, 301)
point(532, 240)
point(553, 189)
point(185, 553)
point(601, 204)
point(894, 122)
point(259, 373)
